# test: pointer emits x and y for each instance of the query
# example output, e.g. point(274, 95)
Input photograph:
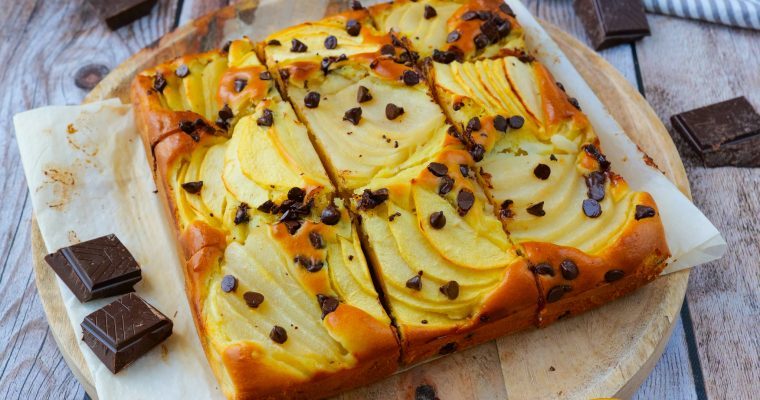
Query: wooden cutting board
point(605, 352)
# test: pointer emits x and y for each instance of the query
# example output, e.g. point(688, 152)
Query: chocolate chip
point(516, 122)
point(331, 42)
point(293, 226)
point(328, 304)
point(415, 282)
point(447, 183)
point(552, 157)
point(464, 169)
point(266, 206)
point(506, 9)
point(253, 299)
point(309, 264)
point(457, 105)
point(225, 112)
point(469, 15)
point(542, 171)
point(265, 76)
point(192, 187)
point(330, 215)
point(500, 123)
point(595, 183)
point(393, 111)
point(353, 27)
point(90, 75)
point(241, 215)
point(536, 209)
point(556, 293)
point(594, 152)
point(229, 283)
point(317, 241)
point(182, 71)
point(363, 95)
point(356, 5)
point(644, 212)
point(278, 334)
point(477, 152)
point(353, 115)
point(371, 199)
point(438, 169)
point(274, 42)
point(465, 201)
point(444, 57)
point(429, 12)
point(591, 208)
point(410, 77)
point(284, 74)
point(560, 86)
point(481, 41)
point(311, 100)
point(437, 220)
point(450, 289)
point(569, 269)
point(504, 209)
point(388, 50)
point(296, 194)
point(448, 348)
point(574, 102)
point(544, 269)
point(297, 46)
point(453, 36)
point(266, 119)
point(425, 392)
point(240, 84)
point(159, 82)
point(614, 275)
point(473, 125)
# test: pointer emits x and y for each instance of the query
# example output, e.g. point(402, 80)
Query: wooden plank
point(48, 42)
point(723, 296)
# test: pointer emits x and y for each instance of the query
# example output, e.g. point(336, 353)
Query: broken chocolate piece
point(723, 134)
point(122, 331)
point(609, 23)
point(118, 13)
point(97, 268)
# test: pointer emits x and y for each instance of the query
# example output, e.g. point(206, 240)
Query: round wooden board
point(605, 352)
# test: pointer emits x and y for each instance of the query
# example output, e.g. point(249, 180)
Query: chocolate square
point(723, 134)
point(122, 331)
point(611, 22)
point(96, 268)
point(118, 13)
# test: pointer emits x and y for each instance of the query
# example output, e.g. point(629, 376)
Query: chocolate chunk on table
point(118, 13)
point(611, 22)
point(96, 268)
point(122, 331)
point(723, 134)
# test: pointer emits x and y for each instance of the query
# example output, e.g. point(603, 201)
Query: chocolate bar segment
point(96, 268)
point(118, 13)
point(723, 134)
point(122, 331)
point(611, 22)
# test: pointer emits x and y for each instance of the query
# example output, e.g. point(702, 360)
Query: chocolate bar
point(723, 134)
point(96, 268)
point(118, 13)
point(611, 22)
point(121, 332)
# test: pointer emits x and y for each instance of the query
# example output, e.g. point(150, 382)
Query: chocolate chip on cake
point(363, 95)
point(450, 289)
point(330, 215)
point(614, 275)
point(274, 42)
point(311, 100)
point(453, 36)
point(542, 171)
point(591, 208)
point(595, 182)
point(429, 12)
point(225, 117)
point(552, 157)
point(296, 194)
point(278, 334)
point(309, 264)
point(556, 293)
point(159, 82)
point(438, 169)
point(328, 304)
point(448, 348)
point(265, 76)
point(393, 111)
point(182, 71)
point(353, 115)
point(410, 77)
point(353, 27)
point(266, 207)
point(415, 282)
point(464, 169)
point(371, 199)
point(544, 269)
point(292, 226)
point(465, 201)
point(253, 299)
point(469, 15)
point(192, 187)
point(480, 40)
point(316, 240)
point(331, 42)
point(447, 183)
point(241, 215)
point(574, 102)
point(474, 125)
point(500, 123)
point(536, 209)
point(504, 209)
point(506, 9)
point(388, 50)
point(444, 57)
point(229, 283)
point(356, 5)
point(477, 152)
point(297, 46)
point(437, 220)
point(569, 269)
point(266, 119)
point(594, 152)
point(516, 122)
point(644, 212)
point(240, 84)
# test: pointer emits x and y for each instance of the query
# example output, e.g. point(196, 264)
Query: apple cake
point(361, 193)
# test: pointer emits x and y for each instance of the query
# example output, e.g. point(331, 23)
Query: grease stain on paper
point(62, 182)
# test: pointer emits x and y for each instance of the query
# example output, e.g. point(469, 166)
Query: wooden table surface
point(715, 348)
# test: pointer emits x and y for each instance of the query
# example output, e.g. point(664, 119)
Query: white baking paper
point(88, 176)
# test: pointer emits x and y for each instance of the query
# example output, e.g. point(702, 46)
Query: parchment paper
point(88, 176)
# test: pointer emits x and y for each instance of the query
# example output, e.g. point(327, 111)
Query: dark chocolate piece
point(122, 331)
point(609, 23)
point(118, 13)
point(96, 268)
point(723, 134)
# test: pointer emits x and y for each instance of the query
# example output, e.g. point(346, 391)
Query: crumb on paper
point(164, 352)
point(63, 182)
point(73, 239)
point(71, 129)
